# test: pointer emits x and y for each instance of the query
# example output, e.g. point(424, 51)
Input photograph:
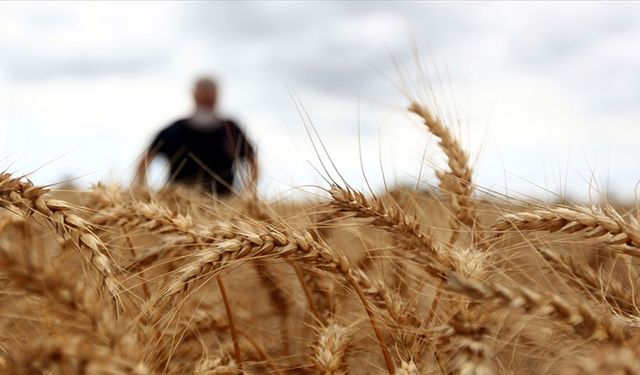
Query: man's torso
point(203, 156)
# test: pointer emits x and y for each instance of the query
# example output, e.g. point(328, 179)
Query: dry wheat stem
point(307, 293)
point(278, 298)
point(145, 287)
point(264, 356)
point(232, 327)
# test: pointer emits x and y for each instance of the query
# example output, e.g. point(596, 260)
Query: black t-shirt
point(203, 156)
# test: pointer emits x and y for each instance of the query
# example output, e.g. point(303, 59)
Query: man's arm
point(254, 171)
point(159, 145)
point(241, 148)
point(141, 171)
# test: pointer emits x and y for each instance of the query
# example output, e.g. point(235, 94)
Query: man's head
point(205, 94)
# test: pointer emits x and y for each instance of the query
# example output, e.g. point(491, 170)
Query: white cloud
point(535, 85)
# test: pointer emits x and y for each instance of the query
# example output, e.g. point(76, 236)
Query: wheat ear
point(603, 224)
point(75, 299)
point(31, 199)
point(392, 219)
point(580, 318)
point(611, 359)
point(232, 326)
point(407, 368)
point(468, 349)
point(71, 355)
point(457, 182)
point(617, 296)
point(330, 349)
point(276, 244)
point(217, 366)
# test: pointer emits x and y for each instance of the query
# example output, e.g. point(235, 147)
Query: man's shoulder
point(232, 125)
point(174, 128)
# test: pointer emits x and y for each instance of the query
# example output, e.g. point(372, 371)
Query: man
point(204, 148)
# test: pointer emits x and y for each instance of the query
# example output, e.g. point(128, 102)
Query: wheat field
point(133, 281)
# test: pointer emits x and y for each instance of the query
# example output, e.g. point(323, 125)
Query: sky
point(545, 96)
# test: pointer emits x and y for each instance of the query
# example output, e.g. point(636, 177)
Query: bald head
point(205, 94)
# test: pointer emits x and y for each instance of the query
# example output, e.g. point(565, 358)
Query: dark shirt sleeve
point(240, 148)
point(162, 143)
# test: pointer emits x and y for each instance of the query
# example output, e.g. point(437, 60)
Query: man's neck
point(204, 119)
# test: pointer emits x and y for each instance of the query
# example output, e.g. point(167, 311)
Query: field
point(441, 281)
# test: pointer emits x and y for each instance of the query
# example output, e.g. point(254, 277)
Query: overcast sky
point(544, 95)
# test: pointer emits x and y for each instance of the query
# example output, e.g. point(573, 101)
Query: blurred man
point(203, 149)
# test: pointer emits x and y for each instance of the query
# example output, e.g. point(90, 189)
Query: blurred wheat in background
point(428, 281)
